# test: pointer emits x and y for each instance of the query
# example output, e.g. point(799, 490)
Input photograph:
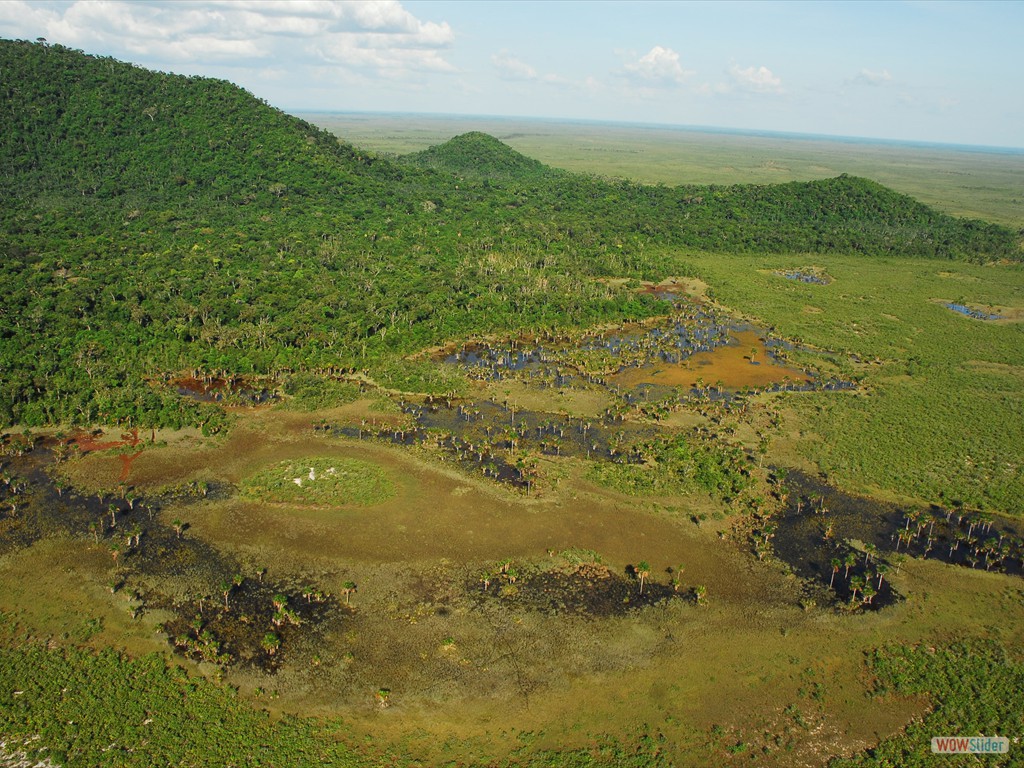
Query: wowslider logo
point(970, 745)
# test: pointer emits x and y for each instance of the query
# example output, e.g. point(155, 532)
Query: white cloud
point(380, 35)
point(873, 77)
point(511, 68)
point(659, 66)
point(759, 79)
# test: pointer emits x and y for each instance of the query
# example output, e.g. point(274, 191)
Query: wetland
point(592, 506)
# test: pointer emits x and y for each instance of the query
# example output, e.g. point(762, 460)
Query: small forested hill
point(479, 156)
point(152, 224)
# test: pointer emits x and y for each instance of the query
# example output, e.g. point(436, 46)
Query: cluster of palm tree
point(502, 576)
point(957, 536)
point(860, 574)
point(203, 646)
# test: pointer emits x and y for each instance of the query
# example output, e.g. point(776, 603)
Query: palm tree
point(677, 578)
point(856, 585)
point(849, 561)
point(642, 570)
point(869, 593)
point(870, 550)
point(270, 643)
point(348, 588)
point(881, 570)
point(836, 565)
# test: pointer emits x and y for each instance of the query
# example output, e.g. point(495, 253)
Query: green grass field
point(965, 182)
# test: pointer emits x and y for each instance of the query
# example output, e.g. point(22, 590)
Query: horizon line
point(756, 132)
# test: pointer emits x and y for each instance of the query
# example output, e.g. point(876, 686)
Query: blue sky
point(920, 71)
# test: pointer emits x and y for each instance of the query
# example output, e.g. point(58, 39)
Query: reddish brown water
point(733, 365)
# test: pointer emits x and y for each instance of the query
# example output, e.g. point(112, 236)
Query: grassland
point(937, 418)
point(969, 182)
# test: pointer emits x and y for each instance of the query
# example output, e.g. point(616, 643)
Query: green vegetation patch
point(308, 392)
point(975, 689)
point(671, 465)
point(321, 480)
point(77, 708)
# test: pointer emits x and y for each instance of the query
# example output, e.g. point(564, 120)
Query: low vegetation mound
point(320, 480)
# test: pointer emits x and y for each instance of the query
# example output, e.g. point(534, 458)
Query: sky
point(944, 72)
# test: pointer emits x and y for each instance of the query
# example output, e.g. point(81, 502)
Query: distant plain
point(973, 182)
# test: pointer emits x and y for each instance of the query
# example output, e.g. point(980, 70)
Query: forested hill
point(479, 156)
point(152, 224)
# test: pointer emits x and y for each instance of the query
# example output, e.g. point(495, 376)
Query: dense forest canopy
point(152, 224)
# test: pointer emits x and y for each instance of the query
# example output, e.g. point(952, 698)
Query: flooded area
point(695, 352)
point(234, 389)
point(743, 362)
point(977, 314)
point(809, 277)
point(840, 541)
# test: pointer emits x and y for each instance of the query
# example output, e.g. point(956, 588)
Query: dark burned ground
point(587, 589)
point(149, 552)
point(234, 631)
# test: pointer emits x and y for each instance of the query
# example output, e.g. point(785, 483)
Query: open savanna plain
point(351, 564)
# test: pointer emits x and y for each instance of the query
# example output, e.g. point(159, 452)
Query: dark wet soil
point(815, 532)
point(502, 441)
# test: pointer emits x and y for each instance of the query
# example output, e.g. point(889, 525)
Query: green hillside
point(153, 224)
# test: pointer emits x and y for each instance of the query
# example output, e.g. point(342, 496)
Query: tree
point(882, 569)
point(869, 593)
point(870, 551)
point(347, 589)
point(849, 561)
point(836, 564)
point(270, 643)
point(642, 570)
point(856, 585)
point(700, 594)
point(677, 577)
